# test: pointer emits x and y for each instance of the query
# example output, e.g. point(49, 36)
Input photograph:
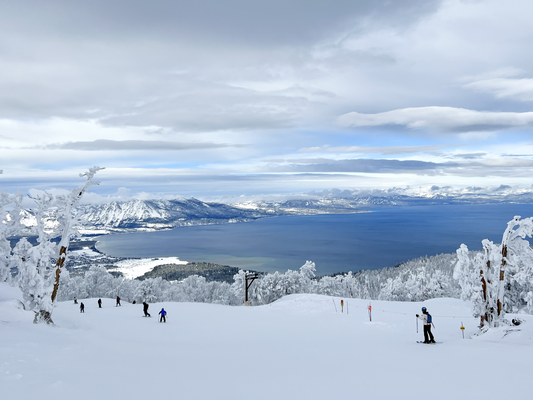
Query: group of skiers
point(162, 313)
point(426, 318)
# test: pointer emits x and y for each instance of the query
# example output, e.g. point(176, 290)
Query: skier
point(82, 307)
point(163, 313)
point(99, 303)
point(118, 302)
point(426, 318)
point(75, 300)
point(145, 309)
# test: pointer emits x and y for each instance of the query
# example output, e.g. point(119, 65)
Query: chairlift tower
point(248, 278)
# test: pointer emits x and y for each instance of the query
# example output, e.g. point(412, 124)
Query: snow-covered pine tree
point(38, 278)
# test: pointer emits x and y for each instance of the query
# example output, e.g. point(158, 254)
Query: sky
point(221, 100)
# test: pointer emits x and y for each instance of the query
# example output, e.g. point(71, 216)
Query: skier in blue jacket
point(163, 313)
point(426, 318)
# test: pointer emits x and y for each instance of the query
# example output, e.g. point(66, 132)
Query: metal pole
point(246, 291)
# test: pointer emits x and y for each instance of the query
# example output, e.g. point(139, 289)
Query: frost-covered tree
point(38, 277)
point(9, 226)
point(500, 274)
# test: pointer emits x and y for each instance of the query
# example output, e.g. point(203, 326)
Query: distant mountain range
point(135, 215)
point(151, 215)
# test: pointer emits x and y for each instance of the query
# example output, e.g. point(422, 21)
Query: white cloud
point(515, 89)
point(443, 119)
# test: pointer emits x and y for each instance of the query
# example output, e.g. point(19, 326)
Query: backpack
point(429, 318)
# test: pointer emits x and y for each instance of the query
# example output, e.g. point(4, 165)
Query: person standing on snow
point(163, 313)
point(426, 318)
point(82, 307)
point(118, 302)
point(99, 303)
point(145, 309)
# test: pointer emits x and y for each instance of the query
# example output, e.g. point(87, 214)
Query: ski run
point(299, 347)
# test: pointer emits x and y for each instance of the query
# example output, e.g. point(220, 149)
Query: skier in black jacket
point(145, 309)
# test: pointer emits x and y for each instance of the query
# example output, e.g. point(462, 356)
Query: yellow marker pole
point(463, 329)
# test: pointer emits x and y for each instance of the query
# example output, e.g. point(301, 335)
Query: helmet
point(424, 309)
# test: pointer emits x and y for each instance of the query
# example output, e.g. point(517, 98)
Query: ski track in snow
point(299, 347)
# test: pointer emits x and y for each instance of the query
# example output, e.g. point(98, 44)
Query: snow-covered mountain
point(161, 214)
point(149, 215)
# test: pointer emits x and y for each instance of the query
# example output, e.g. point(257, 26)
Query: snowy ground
point(132, 268)
point(296, 348)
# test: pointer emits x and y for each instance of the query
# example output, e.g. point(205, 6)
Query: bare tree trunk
point(485, 314)
point(501, 283)
point(59, 265)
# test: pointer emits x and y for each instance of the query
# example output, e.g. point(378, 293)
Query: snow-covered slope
point(297, 348)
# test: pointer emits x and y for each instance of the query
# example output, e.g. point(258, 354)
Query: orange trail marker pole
point(463, 329)
point(342, 306)
point(370, 311)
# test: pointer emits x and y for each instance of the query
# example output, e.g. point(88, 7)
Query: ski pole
point(416, 324)
point(334, 304)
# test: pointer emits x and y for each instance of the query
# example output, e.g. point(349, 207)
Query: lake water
point(335, 242)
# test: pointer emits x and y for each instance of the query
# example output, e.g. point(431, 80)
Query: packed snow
point(299, 347)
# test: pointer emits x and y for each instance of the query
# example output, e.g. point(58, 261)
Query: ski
point(419, 341)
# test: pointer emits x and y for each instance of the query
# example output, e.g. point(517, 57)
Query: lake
point(335, 242)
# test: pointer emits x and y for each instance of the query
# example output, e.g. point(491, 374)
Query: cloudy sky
point(216, 99)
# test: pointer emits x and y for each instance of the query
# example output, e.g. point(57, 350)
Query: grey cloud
point(348, 166)
point(181, 102)
point(263, 22)
point(386, 150)
point(133, 62)
point(502, 188)
point(135, 145)
point(464, 169)
point(469, 156)
point(212, 107)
